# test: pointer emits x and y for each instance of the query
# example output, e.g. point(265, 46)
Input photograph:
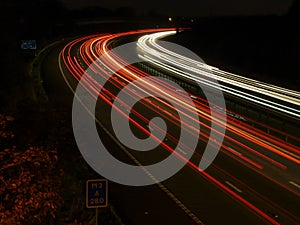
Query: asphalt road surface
point(253, 179)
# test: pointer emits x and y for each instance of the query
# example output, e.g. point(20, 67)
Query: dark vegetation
point(42, 174)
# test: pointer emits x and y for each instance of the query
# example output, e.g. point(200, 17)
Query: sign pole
point(96, 194)
point(96, 216)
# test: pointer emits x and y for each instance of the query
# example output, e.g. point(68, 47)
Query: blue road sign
point(96, 193)
point(28, 44)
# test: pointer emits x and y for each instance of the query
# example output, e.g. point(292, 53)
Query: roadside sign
point(28, 44)
point(96, 193)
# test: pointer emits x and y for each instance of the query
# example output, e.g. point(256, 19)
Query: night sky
point(192, 7)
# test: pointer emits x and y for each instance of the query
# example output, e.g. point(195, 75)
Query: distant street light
point(170, 19)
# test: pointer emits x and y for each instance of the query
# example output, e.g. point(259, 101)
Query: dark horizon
point(191, 7)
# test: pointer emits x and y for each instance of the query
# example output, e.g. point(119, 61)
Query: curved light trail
point(230, 83)
point(258, 151)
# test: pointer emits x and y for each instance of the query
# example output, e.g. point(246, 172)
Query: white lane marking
point(232, 150)
point(150, 127)
point(234, 187)
point(182, 151)
point(295, 184)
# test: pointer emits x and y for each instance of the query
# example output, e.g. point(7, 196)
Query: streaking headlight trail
point(106, 76)
point(95, 152)
point(198, 71)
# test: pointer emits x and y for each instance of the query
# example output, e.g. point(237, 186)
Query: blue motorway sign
point(28, 44)
point(96, 193)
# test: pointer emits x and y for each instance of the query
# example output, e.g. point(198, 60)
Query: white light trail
point(233, 84)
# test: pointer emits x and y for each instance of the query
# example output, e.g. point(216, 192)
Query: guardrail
point(279, 125)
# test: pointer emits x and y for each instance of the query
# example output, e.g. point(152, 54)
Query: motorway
point(253, 179)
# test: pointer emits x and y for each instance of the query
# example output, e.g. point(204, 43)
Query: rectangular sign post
point(96, 194)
